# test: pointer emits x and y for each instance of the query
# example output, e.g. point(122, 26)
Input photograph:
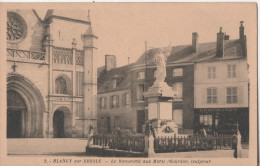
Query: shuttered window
point(232, 95)
point(114, 101)
point(212, 96)
point(102, 102)
point(232, 71)
point(127, 99)
point(139, 92)
point(211, 72)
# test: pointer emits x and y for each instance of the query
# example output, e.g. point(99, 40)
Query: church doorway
point(62, 123)
point(25, 107)
point(14, 124)
point(16, 110)
point(58, 124)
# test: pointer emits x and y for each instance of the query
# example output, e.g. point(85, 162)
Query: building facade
point(209, 82)
point(136, 78)
point(222, 87)
point(114, 98)
point(51, 75)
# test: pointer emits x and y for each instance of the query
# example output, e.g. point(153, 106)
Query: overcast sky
point(123, 28)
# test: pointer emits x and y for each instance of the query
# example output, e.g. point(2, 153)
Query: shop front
point(222, 120)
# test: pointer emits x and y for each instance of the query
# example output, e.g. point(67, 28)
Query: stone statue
point(160, 60)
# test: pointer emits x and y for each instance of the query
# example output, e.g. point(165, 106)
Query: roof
point(106, 78)
point(185, 53)
point(179, 54)
point(80, 15)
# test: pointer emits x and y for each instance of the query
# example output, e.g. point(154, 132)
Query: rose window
point(16, 27)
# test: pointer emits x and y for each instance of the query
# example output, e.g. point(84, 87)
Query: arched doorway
point(58, 124)
point(25, 107)
point(62, 123)
point(16, 113)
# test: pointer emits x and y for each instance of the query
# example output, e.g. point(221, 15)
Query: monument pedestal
point(160, 109)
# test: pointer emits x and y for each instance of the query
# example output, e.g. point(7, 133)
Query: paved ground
point(76, 147)
point(47, 146)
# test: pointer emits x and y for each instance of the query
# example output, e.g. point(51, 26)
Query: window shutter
point(105, 104)
point(180, 89)
point(99, 103)
point(111, 101)
point(214, 72)
point(234, 70)
point(209, 72)
point(117, 101)
point(127, 99)
point(229, 71)
point(123, 98)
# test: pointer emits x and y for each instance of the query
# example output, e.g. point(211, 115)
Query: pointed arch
point(32, 97)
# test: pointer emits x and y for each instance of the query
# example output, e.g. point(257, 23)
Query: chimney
point(226, 37)
point(242, 37)
point(241, 31)
point(195, 43)
point(110, 62)
point(220, 44)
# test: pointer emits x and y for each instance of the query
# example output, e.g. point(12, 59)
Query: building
point(187, 73)
point(51, 75)
point(136, 78)
point(222, 87)
point(114, 97)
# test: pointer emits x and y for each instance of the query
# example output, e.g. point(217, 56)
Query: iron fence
point(120, 142)
point(193, 143)
point(166, 144)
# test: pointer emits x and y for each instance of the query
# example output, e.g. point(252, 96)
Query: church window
point(61, 86)
point(16, 27)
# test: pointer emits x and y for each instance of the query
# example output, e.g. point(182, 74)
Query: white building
point(221, 87)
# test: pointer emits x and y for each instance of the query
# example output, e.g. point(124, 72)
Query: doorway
point(14, 124)
point(58, 124)
point(140, 120)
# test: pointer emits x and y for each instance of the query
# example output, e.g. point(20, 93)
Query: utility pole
point(146, 59)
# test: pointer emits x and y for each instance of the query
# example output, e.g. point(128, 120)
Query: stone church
point(51, 74)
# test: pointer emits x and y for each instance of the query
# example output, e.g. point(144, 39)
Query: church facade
point(51, 74)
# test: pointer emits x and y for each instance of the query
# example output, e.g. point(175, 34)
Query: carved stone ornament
point(16, 27)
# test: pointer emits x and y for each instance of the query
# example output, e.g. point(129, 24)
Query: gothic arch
point(32, 97)
point(62, 122)
point(59, 85)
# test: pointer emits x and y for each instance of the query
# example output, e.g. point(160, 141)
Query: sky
point(123, 28)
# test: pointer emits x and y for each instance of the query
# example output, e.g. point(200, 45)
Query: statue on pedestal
point(160, 60)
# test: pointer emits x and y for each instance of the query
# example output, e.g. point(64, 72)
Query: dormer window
point(114, 83)
point(140, 75)
point(116, 80)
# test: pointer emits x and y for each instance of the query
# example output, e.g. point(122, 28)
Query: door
point(58, 124)
point(140, 120)
point(14, 124)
